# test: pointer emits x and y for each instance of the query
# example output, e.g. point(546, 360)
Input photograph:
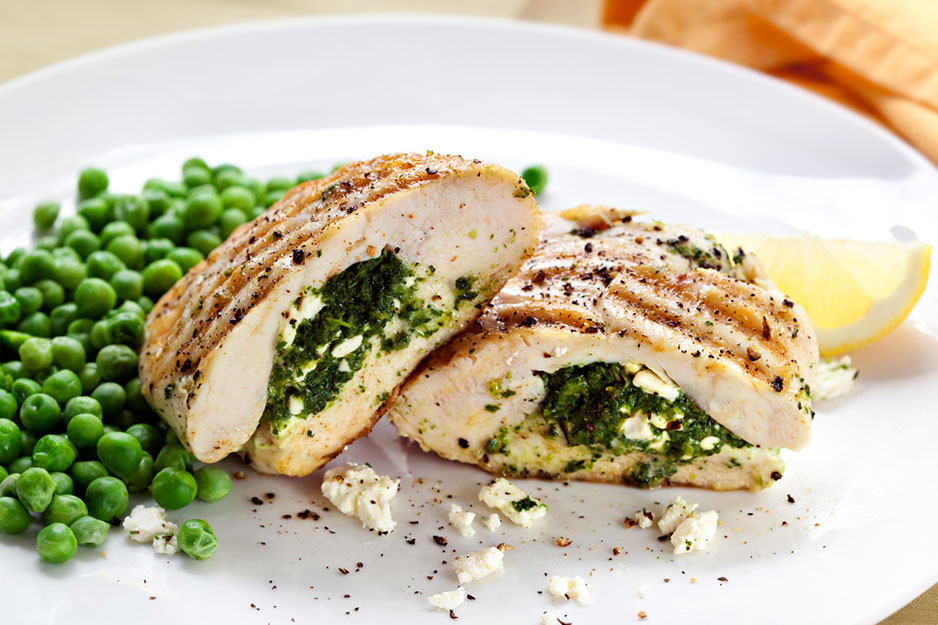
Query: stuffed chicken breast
point(288, 341)
point(623, 350)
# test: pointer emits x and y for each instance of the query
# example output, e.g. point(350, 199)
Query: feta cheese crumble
point(461, 520)
point(148, 524)
point(358, 491)
point(569, 588)
point(675, 514)
point(448, 600)
point(644, 519)
point(834, 378)
point(513, 502)
point(493, 521)
point(643, 591)
point(478, 564)
point(549, 618)
point(695, 532)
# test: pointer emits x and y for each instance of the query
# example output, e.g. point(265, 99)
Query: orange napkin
point(879, 57)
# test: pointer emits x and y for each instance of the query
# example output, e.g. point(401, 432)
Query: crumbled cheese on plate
point(513, 502)
point(448, 600)
point(675, 514)
point(695, 532)
point(569, 588)
point(549, 618)
point(643, 518)
point(148, 524)
point(461, 520)
point(493, 521)
point(478, 564)
point(834, 378)
point(358, 491)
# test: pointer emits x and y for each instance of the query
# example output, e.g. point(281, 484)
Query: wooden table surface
point(37, 33)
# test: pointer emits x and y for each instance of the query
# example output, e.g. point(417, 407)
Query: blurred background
point(878, 57)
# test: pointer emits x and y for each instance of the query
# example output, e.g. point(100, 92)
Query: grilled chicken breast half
point(623, 350)
point(287, 342)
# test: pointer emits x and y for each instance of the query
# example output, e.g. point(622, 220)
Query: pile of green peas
point(76, 435)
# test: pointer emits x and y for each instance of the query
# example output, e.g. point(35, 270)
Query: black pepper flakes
point(778, 384)
point(298, 257)
point(452, 615)
point(791, 499)
point(257, 501)
point(463, 443)
point(776, 476)
point(440, 540)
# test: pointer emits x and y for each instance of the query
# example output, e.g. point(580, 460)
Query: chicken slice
point(623, 350)
point(287, 342)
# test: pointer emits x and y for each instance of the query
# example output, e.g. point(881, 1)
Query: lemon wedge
point(854, 292)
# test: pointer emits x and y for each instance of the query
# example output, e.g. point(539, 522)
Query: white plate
point(616, 121)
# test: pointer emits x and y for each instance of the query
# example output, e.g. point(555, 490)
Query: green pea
point(96, 211)
point(280, 184)
point(197, 539)
point(125, 329)
point(225, 179)
point(157, 200)
point(203, 240)
point(36, 265)
point(98, 335)
point(168, 226)
point(9, 408)
point(145, 303)
point(174, 488)
point(16, 256)
point(123, 420)
point(535, 177)
point(10, 308)
point(117, 363)
point(68, 353)
point(23, 388)
point(89, 531)
point(40, 413)
point(103, 264)
point(45, 214)
point(3, 473)
point(84, 242)
point(185, 257)
point(155, 249)
point(195, 176)
point(72, 224)
point(201, 210)
point(27, 442)
point(84, 430)
point(13, 368)
point(65, 252)
point(61, 316)
point(173, 456)
point(272, 197)
point(62, 386)
point(56, 543)
point(172, 189)
point(127, 284)
point(63, 483)
point(111, 396)
point(94, 297)
point(140, 478)
point(48, 242)
point(54, 452)
point(92, 181)
point(148, 436)
point(12, 279)
point(29, 298)
point(8, 485)
point(89, 376)
point(119, 452)
point(84, 472)
point(129, 249)
point(20, 464)
point(231, 219)
point(134, 209)
point(10, 441)
point(82, 405)
point(53, 294)
point(69, 271)
point(306, 176)
point(14, 518)
point(106, 498)
point(35, 489)
point(213, 483)
point(160, 276)
point(37, 354)
point(65, 509)
point(238, 197)
point(36, 324)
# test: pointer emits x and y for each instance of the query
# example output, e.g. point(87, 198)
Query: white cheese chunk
point(674, 514)
point(570, 588)
point(636, 428)
point(448, 600)
point(493, 521)
point(833, 378)
point(461, 520)
point(652, 383)
point(644, 519)
point(643, 591)
point(549, 618)
point(478, 564)
point(356, 490)
point(695, 532)
point(145, 523)
point(513, 502)
point(165, 544)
